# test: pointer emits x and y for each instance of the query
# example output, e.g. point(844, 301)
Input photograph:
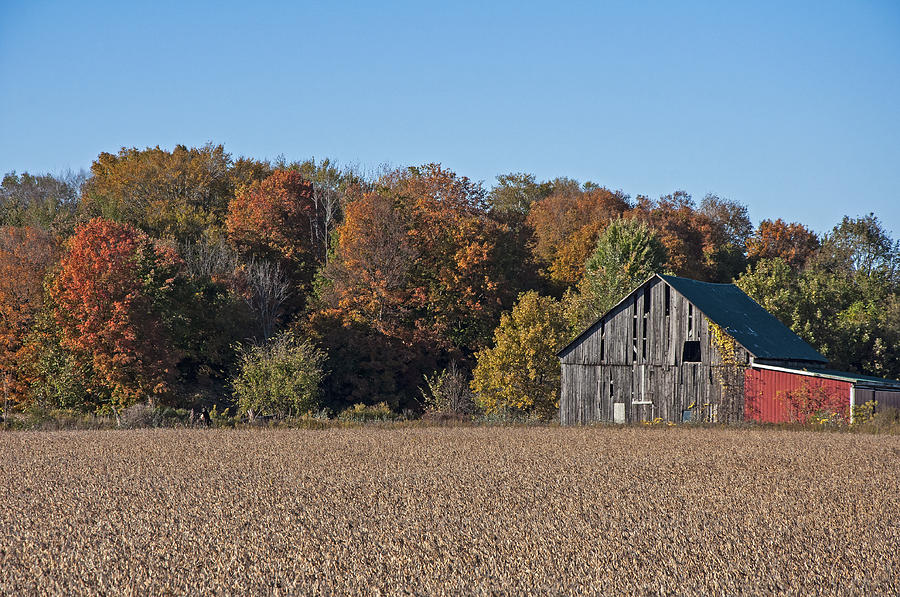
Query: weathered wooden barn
point(680, 350)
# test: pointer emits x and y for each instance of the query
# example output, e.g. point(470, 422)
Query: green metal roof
point(745, 320)
point(854, 378)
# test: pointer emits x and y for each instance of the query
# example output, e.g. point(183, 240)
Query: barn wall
point(634, 356)
point(764, 388)
point(886, 399)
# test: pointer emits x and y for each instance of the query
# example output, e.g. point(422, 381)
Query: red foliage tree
point(701, 244)
point(25, 256)
point(682, 229)
point(419, 258)
point(274, 218)
point(107, 300)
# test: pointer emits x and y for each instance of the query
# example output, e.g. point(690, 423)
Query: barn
point(680, 350)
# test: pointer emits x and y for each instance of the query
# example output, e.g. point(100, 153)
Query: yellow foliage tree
point(521, 371)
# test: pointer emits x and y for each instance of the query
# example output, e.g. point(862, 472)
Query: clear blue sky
point(793, 110)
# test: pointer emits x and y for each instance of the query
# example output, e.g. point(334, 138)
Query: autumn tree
point(26, 254)
point(276, 220)
point(373, 279)
point(566, 225)
point(180, 194)
point(794, 243)
point(109, 299)
point(520, 372)
point(417, 272)
point(626, 254)
point(245, 171)
point(40, 201)
point(420, 254)
point(705, 243)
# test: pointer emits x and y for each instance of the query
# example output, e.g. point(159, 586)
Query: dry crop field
point(449, 511)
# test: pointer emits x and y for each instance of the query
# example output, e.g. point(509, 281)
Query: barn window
point(668, 299)
point(602, 340)
point(690, 353)
point(690, 320)
point(634, 330)
point(644, 322)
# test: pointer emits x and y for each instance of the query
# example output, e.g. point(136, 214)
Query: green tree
point(520, 372)
point(627, 253)
point(514, 193)
point(41, 201)
point(845, 301)
point(729, 229)
point(56, 377)
point(280, 378)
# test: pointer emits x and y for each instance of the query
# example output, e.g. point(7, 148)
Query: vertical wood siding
point(634, 355)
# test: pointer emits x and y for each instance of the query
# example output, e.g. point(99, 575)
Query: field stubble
point(449, 511)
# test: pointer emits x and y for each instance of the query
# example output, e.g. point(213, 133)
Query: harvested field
point(449, 511)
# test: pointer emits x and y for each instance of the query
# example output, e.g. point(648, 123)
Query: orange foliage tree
point(272, 218)
point(108, 300)
point(275, 220)
point(701, 244)
point(565, 228)
point(25, 256)
point(420, 254)
point(417, 263)
point(795, 243)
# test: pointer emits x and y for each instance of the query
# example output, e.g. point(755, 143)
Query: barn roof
point(740, 316)
point(854, 378)
point(745, 320)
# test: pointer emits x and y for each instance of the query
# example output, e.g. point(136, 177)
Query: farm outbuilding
point(681, 350)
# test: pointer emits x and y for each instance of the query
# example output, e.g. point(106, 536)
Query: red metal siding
point(762, 387)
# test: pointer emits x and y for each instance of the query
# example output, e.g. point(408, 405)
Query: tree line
point(190, 277)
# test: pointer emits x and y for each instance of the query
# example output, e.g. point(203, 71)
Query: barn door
point(641, 402)
point(692, 408)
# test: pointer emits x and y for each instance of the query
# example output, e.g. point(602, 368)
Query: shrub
point(448, 392)
point(361, 413)
point(144, 415)
point(280, 378)
point(817, 404)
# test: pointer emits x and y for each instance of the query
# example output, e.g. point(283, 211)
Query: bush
point(817, 404)
point(361, 413)
point(448, 392)
point(280, 378)
point(35, 418)
point(144, 415)
point(881, 421)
